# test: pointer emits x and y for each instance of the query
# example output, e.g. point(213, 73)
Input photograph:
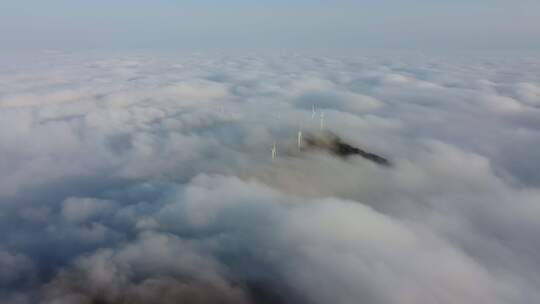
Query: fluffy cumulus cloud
point(149, 179)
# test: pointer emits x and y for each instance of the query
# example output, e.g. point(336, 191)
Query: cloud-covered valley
point(149, 178)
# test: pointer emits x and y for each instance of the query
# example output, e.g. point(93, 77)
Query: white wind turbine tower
point(299, 139)
point(313, 112)
point(274, 151)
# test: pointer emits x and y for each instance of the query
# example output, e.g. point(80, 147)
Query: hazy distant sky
point(276, 24)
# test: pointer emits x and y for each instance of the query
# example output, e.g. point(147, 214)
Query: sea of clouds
point(148, 179)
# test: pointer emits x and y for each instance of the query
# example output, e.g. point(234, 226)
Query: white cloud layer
point(138, 179)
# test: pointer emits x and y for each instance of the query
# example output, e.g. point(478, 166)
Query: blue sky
point(294, 24)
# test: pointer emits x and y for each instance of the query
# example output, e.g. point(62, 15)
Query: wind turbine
point(274, 151)
point(299, 139)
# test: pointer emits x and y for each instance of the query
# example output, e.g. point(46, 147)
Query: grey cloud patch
point(82, 209)
point(139, 179)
